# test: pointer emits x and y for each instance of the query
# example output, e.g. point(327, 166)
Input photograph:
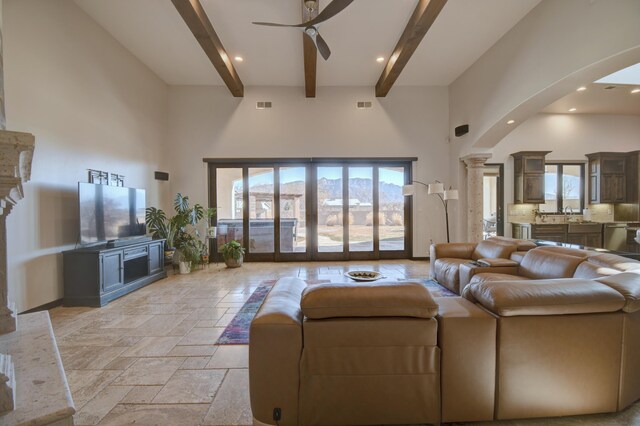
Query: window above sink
point(564, 188)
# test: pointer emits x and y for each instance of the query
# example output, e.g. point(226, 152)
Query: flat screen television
point(109, 213)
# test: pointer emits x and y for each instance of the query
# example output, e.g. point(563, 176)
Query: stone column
point(475, 172)
point(16, 152)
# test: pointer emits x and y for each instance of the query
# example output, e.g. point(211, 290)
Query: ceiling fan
point(310, 28)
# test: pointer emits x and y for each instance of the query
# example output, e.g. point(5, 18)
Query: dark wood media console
point(94, 276)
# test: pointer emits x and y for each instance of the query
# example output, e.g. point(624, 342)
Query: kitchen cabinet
point(586, 234)
point(529, 169)
point(633, 179)
point(607, 177)
point(535, 231)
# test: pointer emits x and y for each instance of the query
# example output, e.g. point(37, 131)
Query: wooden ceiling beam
point(421, 20)
point(310, 53)
point(200, 25)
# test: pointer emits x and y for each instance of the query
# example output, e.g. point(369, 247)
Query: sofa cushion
point(521, 245)
point(385, 299)
point(614, 261)
point(541, 263)
point(492, 249)
point(583, 254)
point(493, 276)
point(590, 270)
point(627, 284)
point(447, 273)
point(518, 256)
point(546, 297)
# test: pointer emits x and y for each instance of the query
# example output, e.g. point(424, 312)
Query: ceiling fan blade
point(272, 24)
point(323, 47)
point(332, 9)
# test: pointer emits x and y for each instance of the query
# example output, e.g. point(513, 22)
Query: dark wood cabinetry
point(551, 232)
point(588, 239)
point(607, 177)
point(529, 176)
point(585, 235)
point(96, 275)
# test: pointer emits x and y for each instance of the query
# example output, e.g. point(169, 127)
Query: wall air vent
point(263, 105)
point(363, 104)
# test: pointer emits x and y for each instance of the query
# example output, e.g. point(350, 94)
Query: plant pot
point(233, 263)
point(168, 255)
point(212, 231)
point(185, 268)
point(205, 259)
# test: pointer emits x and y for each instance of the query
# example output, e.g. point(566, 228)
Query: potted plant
point(180, 228)
point(189, 255)
point(233, 254)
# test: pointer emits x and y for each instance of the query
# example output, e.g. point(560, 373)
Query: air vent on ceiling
point(610, 87)
point(263, 105)
point(363, 104)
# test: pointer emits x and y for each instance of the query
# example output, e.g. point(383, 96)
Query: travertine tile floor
point(149, 358)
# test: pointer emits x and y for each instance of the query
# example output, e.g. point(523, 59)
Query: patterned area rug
point(237, 332)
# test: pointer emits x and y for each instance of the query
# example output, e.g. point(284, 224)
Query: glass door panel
point(293, 223)
point(261, 210)
point(360, 209)
point(330, 227)
point(229, 205)
point(391, 211)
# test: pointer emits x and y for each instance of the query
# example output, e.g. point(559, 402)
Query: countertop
point(629, 255)
point(634, 225)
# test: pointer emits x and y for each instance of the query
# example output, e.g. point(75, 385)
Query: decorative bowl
point(364, 275)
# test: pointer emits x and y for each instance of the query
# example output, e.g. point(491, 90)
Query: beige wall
point(557, 47)
point(410, 122)
point(90, 104)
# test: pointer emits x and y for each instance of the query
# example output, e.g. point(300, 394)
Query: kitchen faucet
point(565, 212)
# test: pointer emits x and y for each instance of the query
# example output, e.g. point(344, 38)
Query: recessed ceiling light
point(380, 59)
point(238, 59)
point(581, 89)
point(572, 110)
point(511, 121)
point(636, 90)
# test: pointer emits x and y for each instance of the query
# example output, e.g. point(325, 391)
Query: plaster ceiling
point(154, 32)
point(598, 100)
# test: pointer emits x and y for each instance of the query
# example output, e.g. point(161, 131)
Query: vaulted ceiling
point(154, 32)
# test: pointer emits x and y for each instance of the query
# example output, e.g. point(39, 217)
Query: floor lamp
point(436, 188)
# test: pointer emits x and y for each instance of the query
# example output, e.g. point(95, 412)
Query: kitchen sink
point(584, 228)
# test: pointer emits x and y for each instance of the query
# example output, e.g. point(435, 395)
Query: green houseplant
point(181, 230)
point(233, 254)
point(190, 254)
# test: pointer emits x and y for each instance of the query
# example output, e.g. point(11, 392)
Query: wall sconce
point(438, 189)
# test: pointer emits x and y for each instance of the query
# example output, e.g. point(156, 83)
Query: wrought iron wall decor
point(105, 178)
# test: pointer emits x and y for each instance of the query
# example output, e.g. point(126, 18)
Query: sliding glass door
point(314, 210)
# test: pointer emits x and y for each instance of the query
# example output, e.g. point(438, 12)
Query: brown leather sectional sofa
point(521, 343)
point(449, 261)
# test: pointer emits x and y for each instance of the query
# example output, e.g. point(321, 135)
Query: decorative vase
point(185, 268)
point(233, 263)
